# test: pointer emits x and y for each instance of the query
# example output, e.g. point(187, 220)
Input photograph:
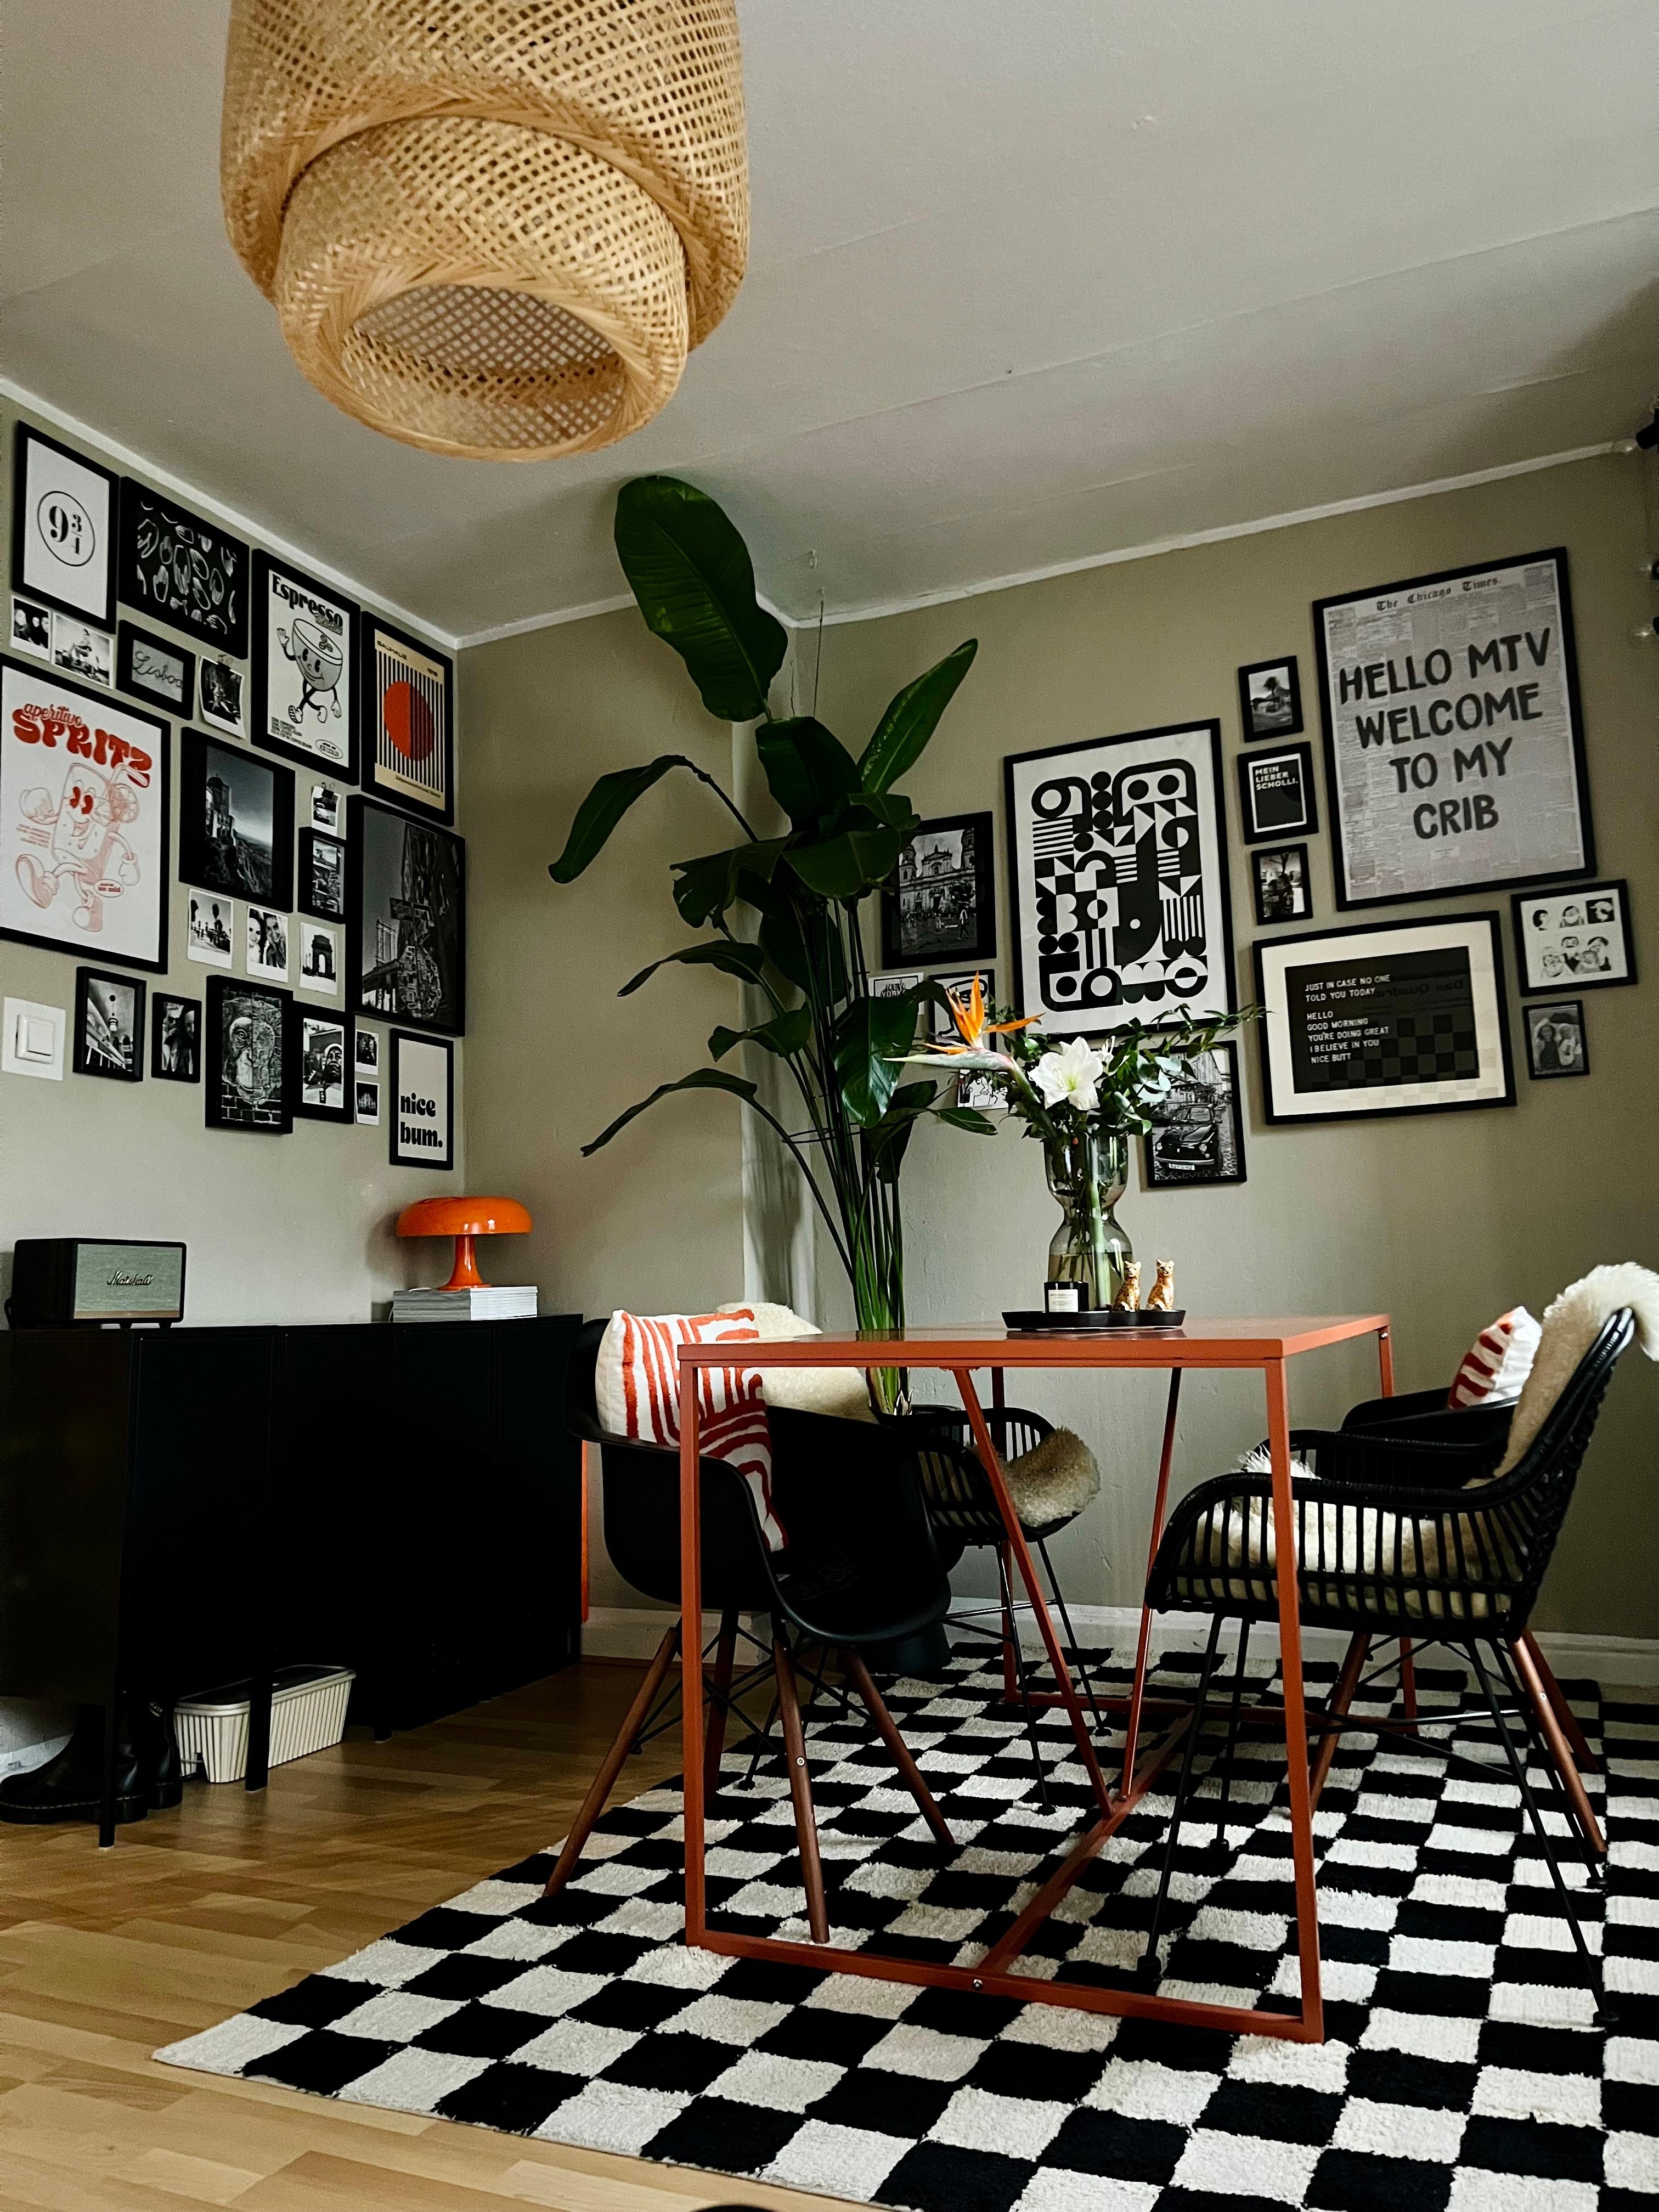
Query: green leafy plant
point(784, 910)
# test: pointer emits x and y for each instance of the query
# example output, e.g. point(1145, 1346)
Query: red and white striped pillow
point(1498, 1363)
point(637, 1394)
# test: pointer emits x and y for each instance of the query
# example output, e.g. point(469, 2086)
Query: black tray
point(1096, 1317)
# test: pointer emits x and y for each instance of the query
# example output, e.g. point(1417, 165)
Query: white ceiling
point(1033, 281)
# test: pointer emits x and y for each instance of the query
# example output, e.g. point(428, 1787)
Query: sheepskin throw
point(1057, 1478)
point(842, 1392)
point(1571, 1325)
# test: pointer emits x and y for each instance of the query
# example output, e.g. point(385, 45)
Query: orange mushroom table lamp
point(464, 1219)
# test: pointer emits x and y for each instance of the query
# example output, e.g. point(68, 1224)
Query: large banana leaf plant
point(782, 912)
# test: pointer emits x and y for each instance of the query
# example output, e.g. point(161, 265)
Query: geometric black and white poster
point(406, 933)
point(1118, 857)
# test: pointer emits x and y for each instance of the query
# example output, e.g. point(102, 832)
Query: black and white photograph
point(1282, 892)
point(1200, 1135)
point(222, 696)
point(109, 1025)
point(369, 1104)
point(367, 1058)
point(894, 986)
point(152, 669)
point(409, 742)
point(1270, 698)
point(319, 958)
point(323, 1089)
point(1117, 856)
point(31, 628)
point(942, 903)
point(305, 645)
point(246, 1054)
point(210, 934)
point(325, 808)
point(235, 823)
point(1454, 743)
point(266, 935)
point(181, 569)
point(1276, 795)
point(175, 1031)
point(1555, 1039)
point(63, 528)
point(1390, 1018)
point(321, 888)
point(421, 1103)
point(406, 899)
point(1579, 939)
point(83, 649)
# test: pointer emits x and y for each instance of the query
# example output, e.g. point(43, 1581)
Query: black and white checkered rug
point(1461, 2068)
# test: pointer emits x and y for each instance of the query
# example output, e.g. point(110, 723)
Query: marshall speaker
point(59, 1281)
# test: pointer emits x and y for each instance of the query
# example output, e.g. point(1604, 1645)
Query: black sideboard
point(185, 1507)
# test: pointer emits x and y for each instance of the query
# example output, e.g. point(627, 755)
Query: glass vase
point(1088, 1173)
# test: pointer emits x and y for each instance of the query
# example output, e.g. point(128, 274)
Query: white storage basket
point(308, 1714)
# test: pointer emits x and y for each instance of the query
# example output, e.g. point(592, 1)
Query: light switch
point(32, 1042)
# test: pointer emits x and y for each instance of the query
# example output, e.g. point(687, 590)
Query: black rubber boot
point(158, 1753)
point(71, 1787)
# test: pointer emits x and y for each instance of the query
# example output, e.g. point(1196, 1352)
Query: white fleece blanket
point(1571, 1324)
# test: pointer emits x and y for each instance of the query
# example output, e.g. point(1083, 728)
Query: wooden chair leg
point(1408, 1678)
point(800, 1789)
point(1588, 1761)
point(859, 1675)
point(1341, 1697)
point(615, 1760)
point(713, 1742)
point(1560, 1751)
point(1010, 1647)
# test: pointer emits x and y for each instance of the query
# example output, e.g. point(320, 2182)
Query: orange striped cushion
point(636, 1391)
point(1498, 1363)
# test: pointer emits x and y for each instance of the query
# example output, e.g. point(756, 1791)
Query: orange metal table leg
point(1144, 1644)
point(1296, 1711)
point(691, 1654)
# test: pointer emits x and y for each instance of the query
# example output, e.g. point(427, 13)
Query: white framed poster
point(423, 1102)
point(1453, 746)
point(63, 528)
point(1117, 856)
point(1390, 1018)
point(83, 820)
point(305, 653)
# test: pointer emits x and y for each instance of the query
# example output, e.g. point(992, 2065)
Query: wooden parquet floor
point(105, 1955)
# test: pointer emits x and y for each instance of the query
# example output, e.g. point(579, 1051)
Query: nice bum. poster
point(1453, 740)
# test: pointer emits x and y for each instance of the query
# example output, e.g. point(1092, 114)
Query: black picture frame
point(128, 638)
point(99, 996)
point(407, 694)
point(970, 887)
point(310, 1025)
point(285, 595)
point(213, 855)
point(1365, 946)
point(1249, 710)
point(1534, 945)
point(175, 1038)
point(237, 1094)
point(179, 569)
point(407, 966)
point(407, 1077)
point(1446, 882)
point(27, 761)
point(312, 894)
point(1281, 878)
point(1200, 1143)
point(1541, 1049)
point(1263, 788)
point(97, 606)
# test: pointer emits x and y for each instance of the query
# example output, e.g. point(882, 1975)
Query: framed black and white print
point(1453, 738)
point(266, 934)
point(175, 1038)
point(83, 820)
point(323, 1090)
point(222, 696)
point(941, 904)
point(31, 628)
point(1555, 1038)
point(319, 958)
point(1283, 891)
point(321, 888)
point(406, 926)
point(109, 1025)
point(1117, 859)
point(83, 649)
point(368, 1104)
point(367, 1059)
point(1390, 1017)
point(409, 721)
point(235, 823)
point(1200, 1134)
point(1270, 698)
point(305, 658)
point(183, 570)
point(152, 669)
point(1576, 940)
point(63, 528)
point(422, 1102)
point(248, 1055)
point(1276, 795)
point(210, 930)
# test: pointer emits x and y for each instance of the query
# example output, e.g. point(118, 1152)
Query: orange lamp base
point(464, 1219)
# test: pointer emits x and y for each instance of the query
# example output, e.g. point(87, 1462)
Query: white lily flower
point(1070, 1074)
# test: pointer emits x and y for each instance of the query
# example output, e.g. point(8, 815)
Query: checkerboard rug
point(1462, 2068)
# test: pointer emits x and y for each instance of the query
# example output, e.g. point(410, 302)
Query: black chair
point(862, 1569)
point(1390, 1537)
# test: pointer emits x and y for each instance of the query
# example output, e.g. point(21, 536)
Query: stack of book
point(490, 1302)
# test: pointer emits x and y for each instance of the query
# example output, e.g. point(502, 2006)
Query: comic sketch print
point(319, 666)
point(81, 853)
point(304, 664)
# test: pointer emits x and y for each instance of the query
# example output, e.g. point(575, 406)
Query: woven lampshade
point(489, 228)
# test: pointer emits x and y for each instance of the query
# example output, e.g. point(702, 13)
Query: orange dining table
point(1268, 1345)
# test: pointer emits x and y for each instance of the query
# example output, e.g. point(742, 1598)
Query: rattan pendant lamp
point(489, 228)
